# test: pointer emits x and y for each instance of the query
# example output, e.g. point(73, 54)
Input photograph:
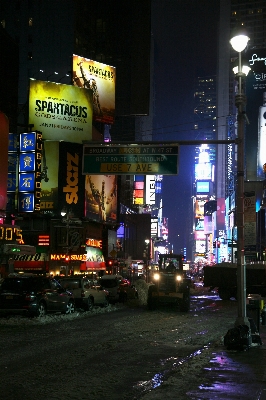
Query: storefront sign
point(94, 243)
point(10, 233)
point(72, 257)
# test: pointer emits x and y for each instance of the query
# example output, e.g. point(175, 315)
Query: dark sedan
point(34, 295)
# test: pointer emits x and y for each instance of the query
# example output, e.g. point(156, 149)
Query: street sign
point(113, 253)
point(130, 160)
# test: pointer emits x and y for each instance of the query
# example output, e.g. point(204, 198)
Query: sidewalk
point(235, 374)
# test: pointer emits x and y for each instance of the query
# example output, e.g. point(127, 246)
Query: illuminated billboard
point(49, 189)
point(203, 171)
point(202, 187)
point(100, 78)
point(255, 135)
point(101, 198)
point(199, 208)
point(30, 169)
point(60, 112)
point(150, 189)
point(71, 182)
point(138, 192)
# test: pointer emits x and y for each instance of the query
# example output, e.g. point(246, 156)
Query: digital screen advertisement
point(255, 136)
point(100, 78)
point(203, 187)
point(60, 112)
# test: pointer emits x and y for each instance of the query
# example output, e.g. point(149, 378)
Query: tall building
point(205, 163)
point(252, 15)
point(46, 35)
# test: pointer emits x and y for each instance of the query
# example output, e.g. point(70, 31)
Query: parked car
point(34, 295)
point(120, 289)
point(86, 293)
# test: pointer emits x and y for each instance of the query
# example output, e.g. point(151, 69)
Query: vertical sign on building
point(4, 130)
point(30, 163)
point(150, 189)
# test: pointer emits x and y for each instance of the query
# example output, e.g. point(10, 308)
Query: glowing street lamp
point(239, 40)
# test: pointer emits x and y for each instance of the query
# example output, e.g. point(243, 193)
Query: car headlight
point(156, 277)
point(179, 278)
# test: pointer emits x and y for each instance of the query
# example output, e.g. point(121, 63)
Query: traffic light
point(218, 244)
point(214, 245)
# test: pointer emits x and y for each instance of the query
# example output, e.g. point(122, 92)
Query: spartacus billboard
point(100, 78)
point(60, 112)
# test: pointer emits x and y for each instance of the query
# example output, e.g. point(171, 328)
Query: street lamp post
point(147, 242)
point(239, 40)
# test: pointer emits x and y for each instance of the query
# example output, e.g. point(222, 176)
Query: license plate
point(9, 297)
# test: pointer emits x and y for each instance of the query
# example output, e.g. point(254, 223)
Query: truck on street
point(223, 277)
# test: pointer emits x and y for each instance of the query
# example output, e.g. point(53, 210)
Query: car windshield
point(108, 283)
point(70, 283)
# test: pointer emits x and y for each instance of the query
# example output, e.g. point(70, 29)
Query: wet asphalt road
point(130, 353)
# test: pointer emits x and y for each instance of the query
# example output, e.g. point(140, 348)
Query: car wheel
point(106, 302)
point(70, 309)
point(224, 293)
point(152, 303)
point(185, 305)
point(89, 304)
point(41, 312)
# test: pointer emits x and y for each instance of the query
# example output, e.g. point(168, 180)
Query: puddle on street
point(171, 364)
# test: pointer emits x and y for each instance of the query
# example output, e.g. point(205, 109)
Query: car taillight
point(82, 293)
point(29, 297)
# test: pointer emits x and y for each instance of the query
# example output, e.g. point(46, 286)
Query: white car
point(85, 292)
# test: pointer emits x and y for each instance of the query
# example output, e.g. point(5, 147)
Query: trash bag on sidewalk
point(238, 338)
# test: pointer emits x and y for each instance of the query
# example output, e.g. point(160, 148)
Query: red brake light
point(29, 297)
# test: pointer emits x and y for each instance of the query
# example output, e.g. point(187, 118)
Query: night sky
point(185, 47)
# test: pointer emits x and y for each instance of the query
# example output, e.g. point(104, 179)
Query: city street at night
point(129, 352)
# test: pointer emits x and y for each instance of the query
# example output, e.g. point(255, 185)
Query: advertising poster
point(71, 188)
point(101, 198)
point(60, 112)
point(100, 78)
point(256, 112)
point(49, 188)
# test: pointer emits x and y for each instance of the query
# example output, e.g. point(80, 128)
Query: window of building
point(30, 21)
